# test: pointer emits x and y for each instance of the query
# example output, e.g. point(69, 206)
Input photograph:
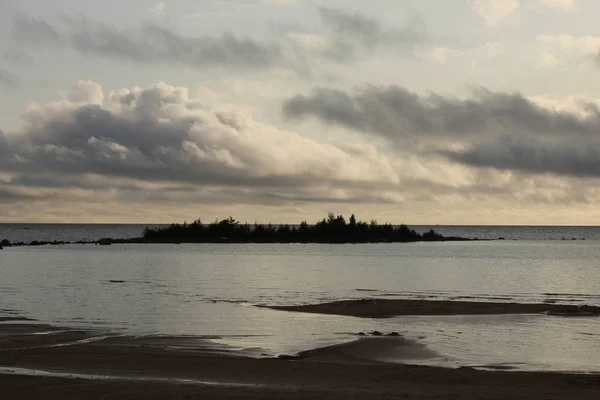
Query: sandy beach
point(71, 364)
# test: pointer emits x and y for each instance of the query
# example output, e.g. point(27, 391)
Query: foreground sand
point(383, 308)
point(153, 368)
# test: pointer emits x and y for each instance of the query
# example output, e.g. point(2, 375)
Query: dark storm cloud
point(9, 80)
point(498, 130)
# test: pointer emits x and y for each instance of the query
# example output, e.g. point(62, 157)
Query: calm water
point(210, 290)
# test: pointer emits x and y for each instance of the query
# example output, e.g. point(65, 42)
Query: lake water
point(210, 291)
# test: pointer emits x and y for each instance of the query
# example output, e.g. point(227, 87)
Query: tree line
point(333, 229)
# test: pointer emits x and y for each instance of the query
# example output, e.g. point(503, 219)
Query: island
point(333, 229)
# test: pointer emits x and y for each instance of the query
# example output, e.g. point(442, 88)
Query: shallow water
point(210, 290)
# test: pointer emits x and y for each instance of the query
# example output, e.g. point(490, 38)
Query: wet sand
point(385, 308)
point(184, 368)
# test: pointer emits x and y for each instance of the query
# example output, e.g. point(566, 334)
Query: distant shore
point(385, 308)
point(65, 364)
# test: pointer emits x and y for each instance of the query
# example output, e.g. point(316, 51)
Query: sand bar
point(156, 368)
point(386, 308)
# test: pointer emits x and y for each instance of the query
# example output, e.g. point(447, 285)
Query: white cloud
point(564, 5)
point(159, 8)
point(475, 55)
point(494, 12)
point(577, 45)
point(581, 105)
point(564, 50)
point(547, 60)
point(279, 2)
point(309, 41)
point(440, 54)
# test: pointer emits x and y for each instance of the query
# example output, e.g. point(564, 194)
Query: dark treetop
point(333, 229)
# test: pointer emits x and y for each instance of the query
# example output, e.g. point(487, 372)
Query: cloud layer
point(148, 44)
point(160, 150)
point(498, 130)
point(347, 36)
point(163, 137)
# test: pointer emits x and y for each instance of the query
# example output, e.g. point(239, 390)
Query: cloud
point(16, 57)
point(563, 5)
point(559, 156)
point(159, 8)
point(9, 80)
point(348, 36)
point(353, 33)
point(396, 113)
point(563, 50)
point(30, 30)
point(574, 46)
point(158, 154)
point(278, 2)
point(496, 130)
point(163, 136)
point(148, 44)
point(495, 12)
point(483, 54)
point(547, 60)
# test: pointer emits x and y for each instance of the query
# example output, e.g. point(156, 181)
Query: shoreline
point(387, 308)
point(123, 367)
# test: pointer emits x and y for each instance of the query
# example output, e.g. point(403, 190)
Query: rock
point(288, 357)
point(376, 333)
point(365, 301)
point(105, 242)
point(5, 243)
point(395, 334)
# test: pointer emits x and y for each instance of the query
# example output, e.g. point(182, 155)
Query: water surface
point(210, 290)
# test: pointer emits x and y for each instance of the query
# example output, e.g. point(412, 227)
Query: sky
point(407, 111)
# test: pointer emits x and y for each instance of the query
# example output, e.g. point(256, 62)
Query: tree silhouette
point(332, 229)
